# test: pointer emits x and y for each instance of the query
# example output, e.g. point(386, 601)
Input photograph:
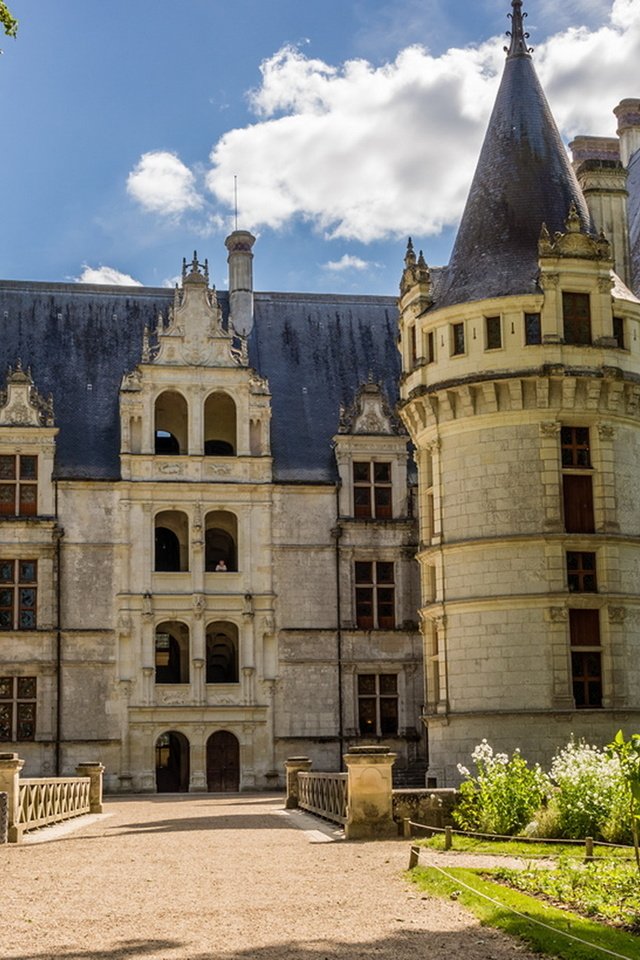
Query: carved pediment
point(193, 333)
point(370, 413)
point(416, 272)
point(575, 243)
point(21, 405)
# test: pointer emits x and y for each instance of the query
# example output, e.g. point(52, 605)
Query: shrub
point(503, 795)
point(590, 798)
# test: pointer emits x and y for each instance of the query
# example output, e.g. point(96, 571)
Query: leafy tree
point(7, 21)
point(628, 752)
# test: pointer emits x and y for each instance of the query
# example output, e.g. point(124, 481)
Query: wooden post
point(294, 766)
point(448, 838)
point(406, 828)
point(94, 771)
point(414, 857)
point(4, 819)
point(10, 767)
point(588, 845)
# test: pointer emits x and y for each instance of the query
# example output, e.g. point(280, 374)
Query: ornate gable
point(193, 334)
point(574, 243)
point(370, 413)
point(21, 405)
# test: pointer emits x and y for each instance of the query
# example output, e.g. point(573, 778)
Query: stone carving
point(617, 614)
point(558, 614)
point(370, 413)
point(21, 405)
point(549, 428)
point(199, 606)
point(606, 431)
point(171, 469)
point(574, 243)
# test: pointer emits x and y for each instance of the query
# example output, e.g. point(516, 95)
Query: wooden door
point(223, 763)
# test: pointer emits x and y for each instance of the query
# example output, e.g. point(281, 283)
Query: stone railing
point(324, 794)
point(38, 802)
point(361, 798)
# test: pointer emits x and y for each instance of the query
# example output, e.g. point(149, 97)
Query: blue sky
point(125, 123)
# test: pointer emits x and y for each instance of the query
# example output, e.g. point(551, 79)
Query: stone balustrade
point(361, 799)
point(37, 802)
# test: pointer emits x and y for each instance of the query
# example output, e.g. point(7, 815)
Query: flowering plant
point(589, 799)
point(503, 795)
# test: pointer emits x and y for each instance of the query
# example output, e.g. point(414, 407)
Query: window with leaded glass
point(576, 314)
point(377, 704)
point(375, 595)
point(18, 594)
point(586, 658)
point(618, 332)
point(372, 490)
point(18, 708)
point(18, 485)
point(457, 338)
point(581, 572)
point(532, 329)
point(575, 447)
point(493, 333)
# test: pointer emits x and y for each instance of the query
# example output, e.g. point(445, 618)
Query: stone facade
point(139, 649)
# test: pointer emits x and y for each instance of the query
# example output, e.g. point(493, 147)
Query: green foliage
point(504, 794)
point(590, 798)
point(627, 753)
point(525, 849)
point(550, 939)
point(606, 891)
point(7, 21)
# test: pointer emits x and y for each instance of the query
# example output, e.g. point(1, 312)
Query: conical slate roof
point(523, 179)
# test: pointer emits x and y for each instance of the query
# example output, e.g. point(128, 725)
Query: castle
point(215, 552)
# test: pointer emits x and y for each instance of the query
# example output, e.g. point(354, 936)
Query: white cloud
point(364, 152)
point(161, 183)
point(107, 275)
point(348, 262)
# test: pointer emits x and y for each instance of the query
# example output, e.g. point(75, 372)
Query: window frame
point(576, 329)
point(378, 490)
point(377, 697)
point(15, 702)
point(534, 340)
point(16, 585)
point(579, 575)
point(24, 486)
point(374, 592)
point(582, 649)
point(458, 339)
point(493, 326)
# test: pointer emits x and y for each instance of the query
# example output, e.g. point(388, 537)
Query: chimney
point(628, 115)
point(240, 261)
point(603, 179)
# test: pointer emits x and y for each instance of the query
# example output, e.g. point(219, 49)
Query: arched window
point(171, 541)
point(221, 538)
point(171, 424)
point(219, 426)
point(222, 653)
point(172, 653)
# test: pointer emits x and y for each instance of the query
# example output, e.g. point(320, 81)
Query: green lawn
point(528, 849)
point(544, 928)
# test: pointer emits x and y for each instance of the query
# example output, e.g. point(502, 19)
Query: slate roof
point(315, 350)
point(633, 186)
point(523, 178)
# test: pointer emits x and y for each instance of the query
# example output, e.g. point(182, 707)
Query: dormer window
point(372, 491)
point(576, 315)
point(18, 485)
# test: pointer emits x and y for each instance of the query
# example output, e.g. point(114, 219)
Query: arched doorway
point(172, 763)
point(223, 763)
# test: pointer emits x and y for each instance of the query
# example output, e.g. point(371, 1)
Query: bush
point(504, 794)
point(590, 799)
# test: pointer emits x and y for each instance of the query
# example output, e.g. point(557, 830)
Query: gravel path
point(234, 878)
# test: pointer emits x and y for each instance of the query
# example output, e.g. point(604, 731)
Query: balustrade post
point(294, 766)
point(370, 794)
point(94, 770)
point(10, 767)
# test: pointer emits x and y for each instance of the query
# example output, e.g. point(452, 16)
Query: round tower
point(521, 390)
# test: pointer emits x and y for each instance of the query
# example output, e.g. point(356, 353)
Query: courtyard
point(233, 877)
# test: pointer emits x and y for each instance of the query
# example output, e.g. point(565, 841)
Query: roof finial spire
point(519, 36)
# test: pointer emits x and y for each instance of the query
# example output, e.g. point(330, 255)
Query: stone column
point(10, 767)
point(94, 770)
point(370, 803)
point(294, 766)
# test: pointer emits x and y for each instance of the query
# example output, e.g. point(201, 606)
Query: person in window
point(221, 567)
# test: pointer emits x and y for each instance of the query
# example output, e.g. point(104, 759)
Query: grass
point(525, 849)
point(553, 942)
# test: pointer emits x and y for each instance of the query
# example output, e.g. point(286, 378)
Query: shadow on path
point(475, 943)
point(210, 821)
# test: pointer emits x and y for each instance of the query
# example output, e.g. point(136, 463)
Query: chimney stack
point(240, 260)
